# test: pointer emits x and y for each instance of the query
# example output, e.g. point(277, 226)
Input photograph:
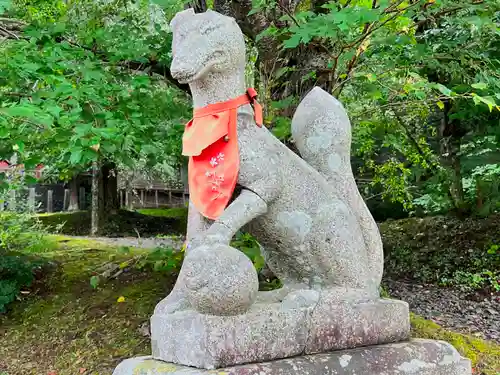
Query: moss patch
point(485, 355)
point(65, 325)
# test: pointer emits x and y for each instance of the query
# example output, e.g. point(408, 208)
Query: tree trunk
point(296, 63)
point(94, 220)
point(450, 134)
point(199, 6)
point(109, 195)
point(73, 194)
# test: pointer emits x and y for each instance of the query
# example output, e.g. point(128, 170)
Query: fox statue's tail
point(322, 132)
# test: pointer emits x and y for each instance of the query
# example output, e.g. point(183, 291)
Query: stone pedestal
point(416, 357)
point(272, 331)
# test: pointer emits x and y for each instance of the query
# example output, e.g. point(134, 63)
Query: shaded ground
point(452, 308)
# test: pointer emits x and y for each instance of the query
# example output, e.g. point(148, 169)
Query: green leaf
point(94, 281)
point(480, 85)
point(20, 111)
point(293, 41)
point(124, 250)
point(421, 95)
point(5, 5)
point(440, 104)
point(108, 147)
point(59, 27)
point(162, 3)
point(488, 100)
point(4, 133)
point(443, 89)
point(158, 265)
point(76, 156)
point(19, 146)
point(253, 11)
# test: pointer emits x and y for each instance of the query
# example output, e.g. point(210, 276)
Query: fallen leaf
point(82, 370)
point(120, 299)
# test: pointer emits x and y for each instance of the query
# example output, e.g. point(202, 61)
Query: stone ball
point(219, 280)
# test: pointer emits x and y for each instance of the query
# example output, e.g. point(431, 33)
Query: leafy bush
point(73, 223)
point(250, 247)
point(444, 250)
point(484, 279)
point(177, 212)
point(20, 235)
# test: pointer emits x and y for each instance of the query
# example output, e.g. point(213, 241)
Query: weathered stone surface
point(208, 341)
point(271, 331)
point(322, 132)
point(344, 325)
point(417, 357)
point(220, 280)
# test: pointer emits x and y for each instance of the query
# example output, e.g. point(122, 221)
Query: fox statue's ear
point(181, 17)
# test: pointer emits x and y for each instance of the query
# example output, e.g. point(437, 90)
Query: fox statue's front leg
point(246, 207)
point(176, 300)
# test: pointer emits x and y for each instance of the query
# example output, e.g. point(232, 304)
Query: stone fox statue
point(307, 213)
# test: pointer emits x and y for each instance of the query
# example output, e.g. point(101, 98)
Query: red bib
point(211, 141)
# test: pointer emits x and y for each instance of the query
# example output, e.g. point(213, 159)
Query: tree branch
point(413, 141)
point(199, 6)
point(8, 32)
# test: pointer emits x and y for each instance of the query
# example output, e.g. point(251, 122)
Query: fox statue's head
point(205, 43)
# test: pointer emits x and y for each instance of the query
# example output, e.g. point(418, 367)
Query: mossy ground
point(65, 327)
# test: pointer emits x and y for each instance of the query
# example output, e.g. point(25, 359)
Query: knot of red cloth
point(210, 141)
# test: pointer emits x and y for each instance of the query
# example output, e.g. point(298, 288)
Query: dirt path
point(145, 243)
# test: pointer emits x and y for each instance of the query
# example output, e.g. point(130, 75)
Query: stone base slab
point(416, 357)
point(270, 331)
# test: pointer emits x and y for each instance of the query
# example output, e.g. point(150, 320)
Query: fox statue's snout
point(182, 70)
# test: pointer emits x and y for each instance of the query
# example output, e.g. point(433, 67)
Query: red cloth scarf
point(210, 140)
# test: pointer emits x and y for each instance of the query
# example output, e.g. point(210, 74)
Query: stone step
point(415, 357)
